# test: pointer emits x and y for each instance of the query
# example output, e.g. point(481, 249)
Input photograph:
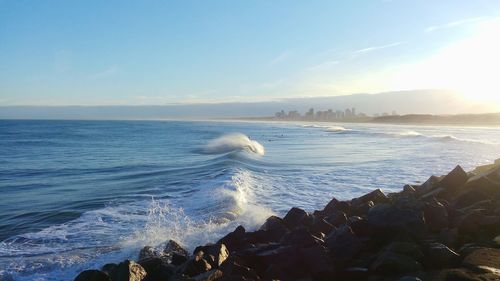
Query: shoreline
point(444, 229)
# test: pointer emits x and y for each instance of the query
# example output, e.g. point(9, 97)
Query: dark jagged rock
point(109, 268)
point(336, 218)
point(336, 205)
point(148, 252)
point(92, 275)
point(454, 179)
point(428, 185)
point(300, 237)
point(129, 271)
point(436, 216)
point(362, 209)
point(275, 228)
point(320, 225)
point(376, 196)
point(409, 278)
point(359, 226)
point(343, 244)
point(172, 248)
point(406, 248)
point(402, 217)
point(178, 259)
point(317, 262)
point(211, 275)
point(449, 237)
point(231, 268)
point(484, 259)
point(196, 265)
point(440, 256)
point(235, 240)
point(390, 262)
point(296, 217)
point(215, 255)
point(156, 269)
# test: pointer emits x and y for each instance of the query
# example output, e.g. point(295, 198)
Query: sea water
point(75, 195)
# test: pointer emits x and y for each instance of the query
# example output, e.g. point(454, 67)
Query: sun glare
point(470, 67)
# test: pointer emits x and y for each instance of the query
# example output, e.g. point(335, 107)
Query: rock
point(359, 226)
point(469, 197)
point(320, 225)
point(336, 205)
point(409, 190)
point(390, 262)
point(296, 217)
point(429, 185)
point(376, 196)
point(196, 265)
point(461, 274)
point(343, 244)
point(454, 179)
point(211, 275)
point(92, 275)
point(317, 262)
point(109, 268)
point(449, 237)
point(440, 256)
point(409, 278)
point(235, 240)
point(486, 258)
point(148, 252)
point(436, 216)
point(214, 254)
point(178, 259)
point(469, 223)
point(156, 269)
point(234, 269)
point(401, 217)
point(275, 228)
point(336, 218)
point(129, 271)
point(406, 248)
point(172, 248)
point(362, 209)
point(300, 237)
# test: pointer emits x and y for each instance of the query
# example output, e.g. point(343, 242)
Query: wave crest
point(232, 142)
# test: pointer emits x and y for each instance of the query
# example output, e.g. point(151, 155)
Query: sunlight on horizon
point(469, 67)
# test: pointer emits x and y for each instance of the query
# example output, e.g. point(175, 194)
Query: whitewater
point(79, 194)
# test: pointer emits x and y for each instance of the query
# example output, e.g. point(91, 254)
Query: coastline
point(470, 120)
point(444, 229)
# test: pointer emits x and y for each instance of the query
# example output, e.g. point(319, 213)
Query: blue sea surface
point(78, 194)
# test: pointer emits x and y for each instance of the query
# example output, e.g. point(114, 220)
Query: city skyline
point(155, 52)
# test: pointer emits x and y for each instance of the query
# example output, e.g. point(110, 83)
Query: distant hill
point(462, 119)
point(406, 102)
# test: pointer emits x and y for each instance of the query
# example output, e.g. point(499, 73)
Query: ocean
point(78, 194)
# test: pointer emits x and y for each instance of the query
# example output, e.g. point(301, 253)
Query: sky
point(94, 52)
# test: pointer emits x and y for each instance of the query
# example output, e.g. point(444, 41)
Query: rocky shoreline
point(447, 228)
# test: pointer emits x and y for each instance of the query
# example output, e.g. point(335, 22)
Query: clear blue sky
point(156, 52)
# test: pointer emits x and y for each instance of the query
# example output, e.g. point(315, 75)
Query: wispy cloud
point(281, 57)
point(376, 48)
point(455, 23)
point(108, 72)
point(323, 65)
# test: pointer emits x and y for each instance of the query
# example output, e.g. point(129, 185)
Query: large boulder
point(336, 218)
point(156, 269)
point(129, 271)
point(436, 216)
point(300, 237)
point(234, 240)
point(92, 275)
point(440, 256)
point(297, 217)
point(404, 216)
point(196, 265)
point(454, 179)
point(215, 254)
point(172, 248)
point(390, 262)
point(343, 244)
point(316, 261)
point(336, 205)
point(320, 226)
point(275, 228)
point(377, 196)
point(484, 259)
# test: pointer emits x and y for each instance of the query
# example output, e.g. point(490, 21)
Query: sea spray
point(232, 142)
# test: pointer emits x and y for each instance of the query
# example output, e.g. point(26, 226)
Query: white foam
point(233, 142)
point(336, 129)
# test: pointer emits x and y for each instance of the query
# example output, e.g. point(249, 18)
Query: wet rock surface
point(445, 229)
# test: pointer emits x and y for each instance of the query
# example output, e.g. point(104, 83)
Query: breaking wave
point(233, 142)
